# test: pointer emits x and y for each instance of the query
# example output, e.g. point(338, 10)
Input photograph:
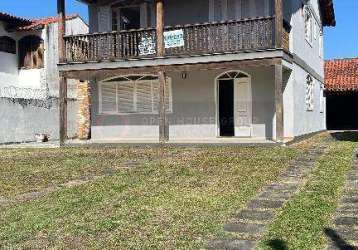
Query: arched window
point(7, 44)
point(233, 75)
point(31, 52)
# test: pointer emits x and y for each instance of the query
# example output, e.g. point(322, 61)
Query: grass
point(176, 197)
point(303, 220)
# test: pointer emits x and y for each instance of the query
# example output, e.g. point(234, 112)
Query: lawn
point(302, 221)
point(134, 198)
point(131, 198)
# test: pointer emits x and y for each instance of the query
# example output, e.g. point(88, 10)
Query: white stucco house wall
point(222, 73)
point(29, 77)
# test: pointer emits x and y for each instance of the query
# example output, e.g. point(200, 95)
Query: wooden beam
point(160, 27)
point(63, 110)
point(62, 80)
point(163, 125)
point(279, 103)
point(61, 29)
point(102, 74)
point(278, 23)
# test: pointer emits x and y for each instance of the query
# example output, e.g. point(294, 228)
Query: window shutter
point(125, 97)
point(104, 19)
point(144, 97)
point(108, 93)
point(233, 9)
point(245, 9)
point(218, 10)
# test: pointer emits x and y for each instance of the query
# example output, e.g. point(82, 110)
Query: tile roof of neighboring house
point(40, 23)
point(341, 75)
point(13, 19)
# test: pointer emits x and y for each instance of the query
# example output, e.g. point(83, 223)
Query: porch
point(208, 106)
point(209, 48)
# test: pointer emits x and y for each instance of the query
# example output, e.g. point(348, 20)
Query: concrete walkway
point(344, 232)
point(251, 222)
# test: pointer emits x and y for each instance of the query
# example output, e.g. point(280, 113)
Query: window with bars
point(321, 98)
point(133, 95)
point(308, 26)
point(7, 44)
point(309, 93)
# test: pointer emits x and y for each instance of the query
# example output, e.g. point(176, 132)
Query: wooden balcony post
point(160, 27)
point(278, 23)
point(62, 80)
point(61, 29)
point(63, 110)
point(163, 123)
point(279, 103)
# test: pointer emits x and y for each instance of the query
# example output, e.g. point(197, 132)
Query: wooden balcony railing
point(208, 38)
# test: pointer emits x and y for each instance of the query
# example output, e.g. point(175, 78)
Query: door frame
point(217, 101)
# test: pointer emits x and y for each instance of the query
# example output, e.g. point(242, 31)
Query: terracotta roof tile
point(341, 75)
point(11, 18)
point(39, 23)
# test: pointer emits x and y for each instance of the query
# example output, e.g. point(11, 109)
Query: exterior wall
point(194, 110)
point(299, 45)
point(73, 27)
point(29, 98)
point(21, 119)
point(306, 121)
point(8, 62)
point(38, 79)
point(176, 13)
point(186, 12)
point(299, 121)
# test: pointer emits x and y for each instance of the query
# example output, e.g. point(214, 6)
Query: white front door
point(243, 107)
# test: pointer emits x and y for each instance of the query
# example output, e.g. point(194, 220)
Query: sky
point(340, 41)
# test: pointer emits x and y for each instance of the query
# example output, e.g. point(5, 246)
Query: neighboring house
point(218, 68)
point(29, 77)
point(341, 83)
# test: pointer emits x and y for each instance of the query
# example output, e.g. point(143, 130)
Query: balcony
point(180, 41)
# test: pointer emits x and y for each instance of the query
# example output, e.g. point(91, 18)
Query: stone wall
point(83, 115)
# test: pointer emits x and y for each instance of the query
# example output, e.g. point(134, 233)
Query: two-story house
point(200, 70)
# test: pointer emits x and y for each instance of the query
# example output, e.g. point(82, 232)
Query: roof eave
point(327, 12)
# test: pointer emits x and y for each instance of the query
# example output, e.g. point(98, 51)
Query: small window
point(133, 95)
point(7, 44)
point(308, 25)
point(320, 42)
point(31, 52)
point(321, 99)
point(309, 93)
point(315, 30)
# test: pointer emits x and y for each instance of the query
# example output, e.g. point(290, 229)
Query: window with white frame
point(308, 25)
point(309, 93)
point(321, 98)
point(133, 95)
point(320, 42)
point(315, 29)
